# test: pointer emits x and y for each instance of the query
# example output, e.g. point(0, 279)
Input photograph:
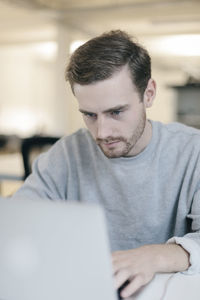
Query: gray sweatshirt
point(153, 197)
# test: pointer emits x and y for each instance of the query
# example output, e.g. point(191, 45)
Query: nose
point(103, 128)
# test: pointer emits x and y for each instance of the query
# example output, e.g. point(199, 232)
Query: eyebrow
point(118, 107)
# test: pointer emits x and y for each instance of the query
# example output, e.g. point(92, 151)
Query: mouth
point(111, 144)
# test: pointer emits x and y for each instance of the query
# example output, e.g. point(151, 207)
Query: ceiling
point(25, 20)
point(140, 17)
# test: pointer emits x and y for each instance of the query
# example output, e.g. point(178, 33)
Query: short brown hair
point(101, 56)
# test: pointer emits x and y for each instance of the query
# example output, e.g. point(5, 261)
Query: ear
point(149, 93)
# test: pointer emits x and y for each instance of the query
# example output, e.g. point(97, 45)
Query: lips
point(110, 144)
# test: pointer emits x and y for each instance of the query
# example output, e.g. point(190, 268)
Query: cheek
point(128, 127)
point(134, 119)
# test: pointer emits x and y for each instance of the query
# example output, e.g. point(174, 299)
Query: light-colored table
point(171, 287)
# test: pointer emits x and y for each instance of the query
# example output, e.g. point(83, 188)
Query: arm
point(139, 265)
point(191, 241)
point(179, 254)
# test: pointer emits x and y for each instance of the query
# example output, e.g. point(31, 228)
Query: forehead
point(102, 95)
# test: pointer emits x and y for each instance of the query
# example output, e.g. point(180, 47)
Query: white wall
point(26, 91)
point(34, 97)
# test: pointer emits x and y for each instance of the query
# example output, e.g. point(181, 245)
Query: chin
point(114, 153)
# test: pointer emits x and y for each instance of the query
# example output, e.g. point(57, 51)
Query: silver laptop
point(53, 251)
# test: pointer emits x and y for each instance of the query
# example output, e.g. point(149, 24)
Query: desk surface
point(170, 287)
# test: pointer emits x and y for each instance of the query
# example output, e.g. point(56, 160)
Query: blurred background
point(36, 39)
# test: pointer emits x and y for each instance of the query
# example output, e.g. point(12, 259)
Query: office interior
point(36, 40)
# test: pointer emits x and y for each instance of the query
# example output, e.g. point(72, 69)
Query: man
point(145, 174)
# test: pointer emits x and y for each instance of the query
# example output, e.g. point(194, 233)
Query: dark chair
point(33, 146)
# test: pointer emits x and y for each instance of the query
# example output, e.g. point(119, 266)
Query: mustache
point(110, 140)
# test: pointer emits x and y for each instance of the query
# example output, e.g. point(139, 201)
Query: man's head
point(100, 57)
point(113, 91)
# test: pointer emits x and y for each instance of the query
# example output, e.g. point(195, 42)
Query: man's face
point(114, 113)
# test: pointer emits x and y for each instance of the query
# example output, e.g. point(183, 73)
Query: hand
point(138, 266)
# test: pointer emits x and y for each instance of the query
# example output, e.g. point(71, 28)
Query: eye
point(89, 115)
point(115, 112)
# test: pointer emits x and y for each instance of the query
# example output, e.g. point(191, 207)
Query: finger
point(136, 283)
point(119, 265)
point(121, 277)
point(122, 287)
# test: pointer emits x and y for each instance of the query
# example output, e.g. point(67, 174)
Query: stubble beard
point(127, 144)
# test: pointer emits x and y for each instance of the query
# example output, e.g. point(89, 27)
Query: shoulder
point(182, 129)
point(178, 132)
point(75, 147)
point(81, 138)
point(178, 140)
point(177, 143)
point(68, 149)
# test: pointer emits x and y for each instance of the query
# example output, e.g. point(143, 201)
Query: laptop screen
point(53, 250)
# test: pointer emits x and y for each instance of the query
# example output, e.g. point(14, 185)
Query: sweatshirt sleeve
point(191, 241)
point(48, 179)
